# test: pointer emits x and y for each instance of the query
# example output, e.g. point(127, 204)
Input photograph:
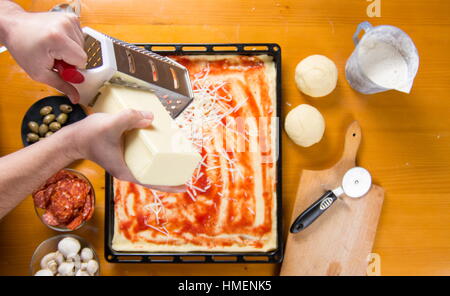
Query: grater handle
point(95, 78)
point(68, 72)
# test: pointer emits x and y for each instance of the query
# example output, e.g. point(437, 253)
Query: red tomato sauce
point(200, 221)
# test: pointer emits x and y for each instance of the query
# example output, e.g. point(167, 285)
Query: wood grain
point(406, 143)
point(340, 240)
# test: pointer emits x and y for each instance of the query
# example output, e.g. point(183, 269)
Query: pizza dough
point(316, 76)
point(220, 211)
point(304, 125)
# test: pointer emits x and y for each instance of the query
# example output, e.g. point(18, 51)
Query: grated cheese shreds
point(204, 114)
point(202, 117)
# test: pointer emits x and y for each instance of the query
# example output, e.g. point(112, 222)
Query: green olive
point(48, 134)
point(65, 108)
point(62, 118)
point(45, 110)
point(32, 137)
point(54, 126)
point(48, 118)
point(33, 126)
point(43, 128)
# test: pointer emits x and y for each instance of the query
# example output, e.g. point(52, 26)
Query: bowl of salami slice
point(65, 201)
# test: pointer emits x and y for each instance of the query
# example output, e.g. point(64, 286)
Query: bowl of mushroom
point(65, 255)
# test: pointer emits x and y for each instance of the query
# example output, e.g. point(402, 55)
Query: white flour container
point(385, 58)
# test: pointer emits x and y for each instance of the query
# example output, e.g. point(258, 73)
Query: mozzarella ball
point(316, 76)
point(304, 125)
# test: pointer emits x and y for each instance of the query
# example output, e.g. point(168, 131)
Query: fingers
point(77, 28)
point(67, 40)
point(51, 78)
point(71, 52)
point(79, 38)
point(73, 30)
point(131, 119)
point(112, 158)
point(69, 26)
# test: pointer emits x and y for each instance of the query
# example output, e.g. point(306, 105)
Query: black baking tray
point(274, 256)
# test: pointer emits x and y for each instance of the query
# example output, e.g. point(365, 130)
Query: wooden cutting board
point(338, 242)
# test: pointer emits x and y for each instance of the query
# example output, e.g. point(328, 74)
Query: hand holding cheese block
point(99, 138)
point(158, 155)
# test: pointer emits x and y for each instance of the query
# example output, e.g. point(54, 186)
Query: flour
point(383, 64)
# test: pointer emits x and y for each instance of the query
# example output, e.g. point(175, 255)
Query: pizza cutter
point(355, 184)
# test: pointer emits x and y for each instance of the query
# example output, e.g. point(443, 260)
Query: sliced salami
point(67, 199)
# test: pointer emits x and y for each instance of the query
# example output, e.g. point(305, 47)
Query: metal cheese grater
point(114, 61)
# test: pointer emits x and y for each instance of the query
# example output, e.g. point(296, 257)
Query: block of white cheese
point(158, 155)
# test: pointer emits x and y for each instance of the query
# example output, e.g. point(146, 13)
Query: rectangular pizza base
point(120, 249)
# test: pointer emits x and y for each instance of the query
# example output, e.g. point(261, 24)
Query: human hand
point(35, 40)
point(99, 138)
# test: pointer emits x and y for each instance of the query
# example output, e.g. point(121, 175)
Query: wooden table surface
point(406, 138)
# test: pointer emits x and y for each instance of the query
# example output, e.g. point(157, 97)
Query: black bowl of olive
point(47, 116)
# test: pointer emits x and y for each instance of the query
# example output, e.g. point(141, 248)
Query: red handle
point(68, 72)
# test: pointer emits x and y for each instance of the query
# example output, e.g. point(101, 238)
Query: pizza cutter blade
point(355, 184)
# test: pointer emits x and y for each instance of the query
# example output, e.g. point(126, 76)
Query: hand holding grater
point(114, 61)
point(151, 154)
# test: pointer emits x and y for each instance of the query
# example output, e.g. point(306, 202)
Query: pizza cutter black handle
point(313, 212)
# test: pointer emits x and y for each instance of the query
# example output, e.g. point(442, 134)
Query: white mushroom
point(92, 267)
point(82, 273)
point(46, 259)
point(44, 272)
point(52, 266)
point(76, 261)
point(59, 257)
point(68, 260)
point(87, 254)
point(67, 269)
point(69, 247)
